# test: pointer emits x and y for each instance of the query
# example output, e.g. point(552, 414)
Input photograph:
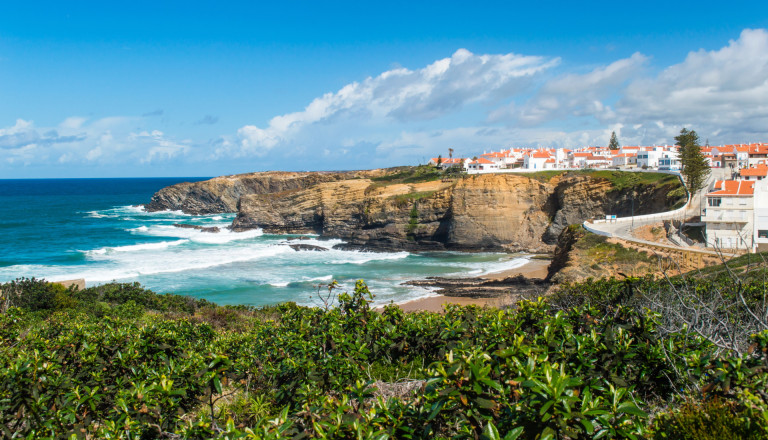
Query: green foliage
point(601, 251)
point(413, 222)
point(614, 142)
point(33, 294)
point(625, 179)
point(543, 176)
point(594, 370)
point(713, 419)
point(421, 173)
point(693, 163)
point(402, 200)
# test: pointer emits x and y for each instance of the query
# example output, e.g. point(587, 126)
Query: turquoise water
point(93, 229)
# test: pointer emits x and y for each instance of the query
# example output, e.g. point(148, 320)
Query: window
point(762, 233)
point(713, 201)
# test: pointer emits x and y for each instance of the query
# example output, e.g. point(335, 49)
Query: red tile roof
point(733, 188)
point(758, 171)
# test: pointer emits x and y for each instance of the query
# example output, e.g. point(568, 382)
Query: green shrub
point(713, 419)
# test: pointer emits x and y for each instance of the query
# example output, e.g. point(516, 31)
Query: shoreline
point(534, 269)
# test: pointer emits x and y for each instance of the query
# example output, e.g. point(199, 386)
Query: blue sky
point(97, 89)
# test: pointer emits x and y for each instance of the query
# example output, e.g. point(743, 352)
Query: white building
point(482, 165)
point(649, 158)
point(624, 159)
point(537, 160)
point(758, 172)
point(729, 215)
point(760, 204)
point(669, 160)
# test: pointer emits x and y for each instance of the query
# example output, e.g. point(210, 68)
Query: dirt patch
point(654, 232)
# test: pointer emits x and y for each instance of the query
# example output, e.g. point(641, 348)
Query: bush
point(713, 419)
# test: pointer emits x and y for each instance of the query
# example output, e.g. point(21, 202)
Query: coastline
point(534, 269)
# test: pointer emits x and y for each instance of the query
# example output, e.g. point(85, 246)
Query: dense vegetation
point(119, 361)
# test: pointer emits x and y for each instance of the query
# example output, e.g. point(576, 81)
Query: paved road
point(623, 229)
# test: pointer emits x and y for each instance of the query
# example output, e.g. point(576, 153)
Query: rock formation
point(221, 194)
point(211, 229)
point(479, 212)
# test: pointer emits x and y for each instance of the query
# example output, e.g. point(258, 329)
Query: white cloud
point(401, 95)
point(107, 140)
point(467, 101)
point(576, 95)
point(723, 93)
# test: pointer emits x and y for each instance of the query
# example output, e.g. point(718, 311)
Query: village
point(732, 207)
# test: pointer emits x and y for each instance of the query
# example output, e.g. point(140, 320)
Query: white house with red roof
point(447, 162)
point(482, 165)
point(739, 153)
point(757, 154)
point(538, 160)
point(757, 172)
point(729, 215)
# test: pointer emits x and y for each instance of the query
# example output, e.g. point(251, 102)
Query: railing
point(652, 217)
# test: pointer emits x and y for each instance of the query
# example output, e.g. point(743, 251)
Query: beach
point(533, 269)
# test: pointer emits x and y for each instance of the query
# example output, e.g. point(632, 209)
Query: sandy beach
point(535, 268)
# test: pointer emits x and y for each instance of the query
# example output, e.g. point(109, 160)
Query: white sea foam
point(97, 214)
point(357, 257)
point(196, 235)
point(122, 265)
point(136, 247)
point(325, 278)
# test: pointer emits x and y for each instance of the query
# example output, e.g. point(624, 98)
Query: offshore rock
point(211, 229)
point(307, 247)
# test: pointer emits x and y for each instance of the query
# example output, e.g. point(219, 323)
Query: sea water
point(96, 229)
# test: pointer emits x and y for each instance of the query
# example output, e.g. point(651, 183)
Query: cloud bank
point(469, 102)
point(104, 141)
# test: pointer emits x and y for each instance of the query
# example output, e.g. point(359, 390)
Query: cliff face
point(221, 194)
point(481, 212)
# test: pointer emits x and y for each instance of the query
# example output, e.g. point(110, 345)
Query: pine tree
point(614, 143)
point(695, 168)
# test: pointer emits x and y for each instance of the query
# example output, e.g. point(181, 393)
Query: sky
point(144, 89)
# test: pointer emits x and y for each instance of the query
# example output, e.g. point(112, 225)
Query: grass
point(600, 250)
point(619, 179)
point(755, 264)
point(624, 179)
point(404, 199)
point(421, 173)
point(542, 176)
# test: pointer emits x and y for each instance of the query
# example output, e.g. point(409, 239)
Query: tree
point(614, 143)
point(694, 166)
point(450, 153)
point(439, 160)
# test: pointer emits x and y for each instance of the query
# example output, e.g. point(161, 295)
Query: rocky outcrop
point(307, 247)
point(211, 229)
point(580, 197)
point(221, 194)
point(480, 212)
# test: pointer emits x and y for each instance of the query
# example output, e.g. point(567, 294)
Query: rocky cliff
point(221, 194)
point(480, 212)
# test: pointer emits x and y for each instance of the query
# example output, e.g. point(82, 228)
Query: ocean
point(96, 229)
